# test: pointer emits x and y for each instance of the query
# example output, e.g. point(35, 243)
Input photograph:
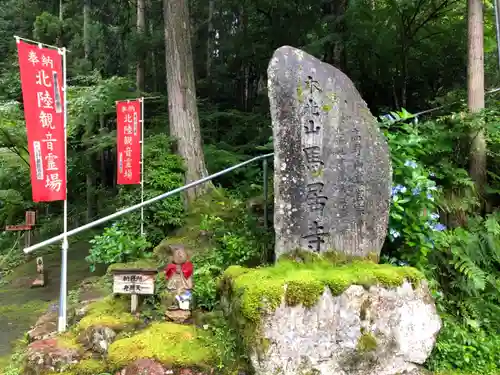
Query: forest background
point(400, 53)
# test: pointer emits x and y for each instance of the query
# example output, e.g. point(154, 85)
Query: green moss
point(142, 263)
point(168, 343)
point(162, 252)
point(332, 256)
point(235, 271)
point(333, 97)
point(30, 308)
point(317, 173)
point(89, 367)
point(112, 312)
point(305, 281)
point(4, 361)
point(68, 340)
point(326, 107)
point(366, 343)
point(300, 91)
point(306, 292)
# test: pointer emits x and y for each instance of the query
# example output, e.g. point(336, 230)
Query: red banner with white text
point(128, 143)
point(41, 82)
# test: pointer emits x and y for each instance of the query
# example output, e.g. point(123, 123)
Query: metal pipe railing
point(127, 210)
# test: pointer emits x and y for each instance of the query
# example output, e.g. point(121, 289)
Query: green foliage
point(417, 61)
point(466, 347)
point(461, 262)
point(236, 238)
point(163, 172)
point(413, 216)
point(470, 257)
point(117, 245)
point(223, 340)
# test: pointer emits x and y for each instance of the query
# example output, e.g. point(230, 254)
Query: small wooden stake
point(134, 301)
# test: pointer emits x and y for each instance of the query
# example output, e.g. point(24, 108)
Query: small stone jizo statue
point(40, 279)
point(179, 274)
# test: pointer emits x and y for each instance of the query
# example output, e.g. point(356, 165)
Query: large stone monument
point(332, 168)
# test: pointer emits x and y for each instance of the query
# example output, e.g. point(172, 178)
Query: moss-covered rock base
point(316, 317)
point(304, 282)
point(170, 344)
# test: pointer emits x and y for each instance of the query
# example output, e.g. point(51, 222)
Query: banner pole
point(142, 165)
point(64, 254)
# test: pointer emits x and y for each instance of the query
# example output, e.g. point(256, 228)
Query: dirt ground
point(20, 305)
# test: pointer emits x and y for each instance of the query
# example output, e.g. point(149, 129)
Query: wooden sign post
point(27, 227)
point(135, 282)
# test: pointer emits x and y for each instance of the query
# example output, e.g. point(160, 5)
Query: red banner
point(41, 82)
point(128, 144)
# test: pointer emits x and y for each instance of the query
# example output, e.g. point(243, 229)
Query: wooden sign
point(17, 227)
point(134, 282)
point(30, 218)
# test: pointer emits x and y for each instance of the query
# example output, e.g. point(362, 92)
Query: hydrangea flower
point(398, 189)
point(434, 216)
point(394, 233)
point(438, 227)
point(416, 191)
point(410, 163)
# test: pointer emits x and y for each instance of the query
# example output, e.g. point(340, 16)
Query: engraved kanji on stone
point(312, 107)
point(311, 127)
point(313, 158)
point(315, 201)
point(312, 85)
point(315, 236)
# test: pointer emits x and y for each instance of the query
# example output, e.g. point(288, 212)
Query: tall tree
point(210, 37)
point(141, 58)
point(182, 106)
point(475, 88)
point(86, 29)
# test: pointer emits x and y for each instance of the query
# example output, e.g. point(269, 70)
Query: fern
point(469, 261)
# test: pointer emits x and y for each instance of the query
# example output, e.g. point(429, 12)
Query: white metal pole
point(61, 327)
point(142, 164)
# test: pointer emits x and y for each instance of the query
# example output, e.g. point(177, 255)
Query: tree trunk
point(335, 51)
point(183, 111)
point(154, 72)
point(61, 15)
point(86, 29)
point(210, 36)
point(90, 178)
point(141, 27)
point(102, 158)
point(475, 87)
